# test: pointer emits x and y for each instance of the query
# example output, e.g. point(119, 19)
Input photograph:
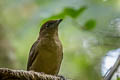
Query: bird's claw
point(61, 77)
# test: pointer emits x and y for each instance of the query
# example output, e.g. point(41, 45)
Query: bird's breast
point(49, 57)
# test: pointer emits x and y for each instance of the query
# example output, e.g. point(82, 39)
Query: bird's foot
point(61, 77)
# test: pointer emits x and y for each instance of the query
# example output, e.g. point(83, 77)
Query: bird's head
point(50, 27)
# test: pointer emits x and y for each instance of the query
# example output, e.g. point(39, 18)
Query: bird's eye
point(49, 24)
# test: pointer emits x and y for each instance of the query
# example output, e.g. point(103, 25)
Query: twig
point(113, 69)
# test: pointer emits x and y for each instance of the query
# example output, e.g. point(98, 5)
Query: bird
point(46, 53)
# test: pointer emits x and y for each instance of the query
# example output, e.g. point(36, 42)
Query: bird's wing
point(32, 54)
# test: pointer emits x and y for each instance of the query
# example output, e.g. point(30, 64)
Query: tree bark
point(9, 74)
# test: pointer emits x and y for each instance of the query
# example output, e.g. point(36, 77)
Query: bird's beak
point(58, 21)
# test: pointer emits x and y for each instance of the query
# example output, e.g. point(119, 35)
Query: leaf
point(73, 12)
point(90, 24)
point(66, 12)
point(69, 12)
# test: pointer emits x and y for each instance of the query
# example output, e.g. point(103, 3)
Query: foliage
point(86, 31)
point(71, 12)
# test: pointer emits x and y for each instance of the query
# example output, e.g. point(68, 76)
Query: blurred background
point(90, 34)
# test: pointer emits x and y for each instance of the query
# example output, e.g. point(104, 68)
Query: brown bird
point(46, 53)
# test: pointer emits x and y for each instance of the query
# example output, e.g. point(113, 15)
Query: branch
point(9, 74)
point(113, 69)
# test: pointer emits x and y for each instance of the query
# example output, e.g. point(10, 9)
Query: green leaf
point(73, 12)
point(69, 12)
point(90, 24)
point(66, 12)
